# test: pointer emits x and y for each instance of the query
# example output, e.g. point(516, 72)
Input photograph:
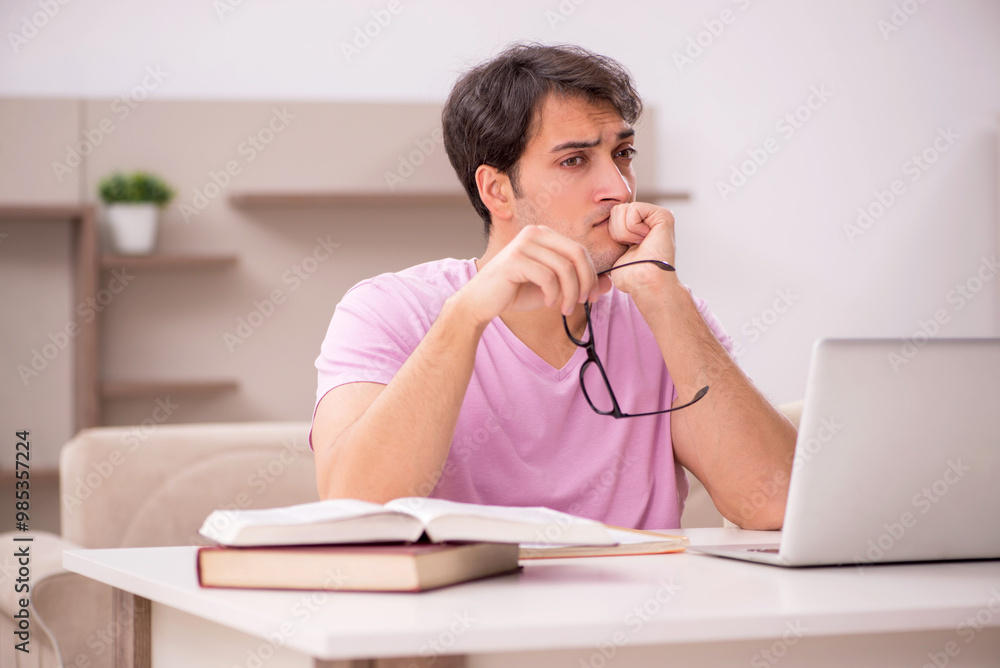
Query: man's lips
point(603, 221)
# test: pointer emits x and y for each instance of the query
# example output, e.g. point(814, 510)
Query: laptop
point(897, 457)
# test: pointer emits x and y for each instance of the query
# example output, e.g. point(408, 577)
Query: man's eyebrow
point(624, 134)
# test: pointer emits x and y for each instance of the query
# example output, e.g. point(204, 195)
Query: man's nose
point(612, 184)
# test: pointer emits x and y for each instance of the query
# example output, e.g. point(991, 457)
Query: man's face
point(575, 168)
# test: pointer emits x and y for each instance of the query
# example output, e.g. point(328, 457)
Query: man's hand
point(648, 230)
point(539, 267)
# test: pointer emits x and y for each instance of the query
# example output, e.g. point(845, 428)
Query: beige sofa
point(139, 487)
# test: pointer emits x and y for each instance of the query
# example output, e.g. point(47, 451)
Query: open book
point(407, 519)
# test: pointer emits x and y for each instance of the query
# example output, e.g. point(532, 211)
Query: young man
point(459, 379)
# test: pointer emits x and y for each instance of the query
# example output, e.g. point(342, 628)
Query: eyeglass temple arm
point(697, 397)
point(659, 263)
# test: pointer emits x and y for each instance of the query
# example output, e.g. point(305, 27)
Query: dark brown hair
point(488, 118)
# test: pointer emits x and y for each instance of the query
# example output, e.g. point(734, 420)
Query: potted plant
point(133, 206)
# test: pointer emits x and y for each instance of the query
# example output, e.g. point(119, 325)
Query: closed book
point(380, 567)
point(628, 542)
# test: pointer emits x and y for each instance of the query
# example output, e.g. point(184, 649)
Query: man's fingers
point(568, 259)
point(529, 276)
point(564, 272)
point(657, 214)
point(626, 226)
point(631, 222)
point(539, 267)
point(584, 273)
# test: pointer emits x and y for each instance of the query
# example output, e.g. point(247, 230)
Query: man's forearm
point(742, 444)
point(399, 445)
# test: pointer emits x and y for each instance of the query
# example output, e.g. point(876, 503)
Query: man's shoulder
point(449, 271)
point(446, 272)
point(430, 281)
point(627, 316)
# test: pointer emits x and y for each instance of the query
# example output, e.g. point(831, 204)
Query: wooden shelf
point(664, 195)
point(129, 389)
point(318, 199)
point(57, 212)
point(167, 262)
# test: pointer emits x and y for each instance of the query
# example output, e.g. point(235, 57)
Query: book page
point(223, 525)
point(428, 510)
point(450, 520)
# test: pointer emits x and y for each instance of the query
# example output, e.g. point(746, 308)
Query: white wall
point(782, 233)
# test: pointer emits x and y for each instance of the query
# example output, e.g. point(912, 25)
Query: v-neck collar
point(529, 356)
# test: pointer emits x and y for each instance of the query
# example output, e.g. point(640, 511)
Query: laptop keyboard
point(771, 550)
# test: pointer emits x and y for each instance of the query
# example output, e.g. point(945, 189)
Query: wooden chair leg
point(403, 662)
point(132, 619)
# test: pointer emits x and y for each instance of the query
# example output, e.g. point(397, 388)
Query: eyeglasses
point(600, 396)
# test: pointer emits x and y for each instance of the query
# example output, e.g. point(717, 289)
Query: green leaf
point(138, 186)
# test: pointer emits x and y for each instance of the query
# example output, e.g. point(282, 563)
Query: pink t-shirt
point(526, 435)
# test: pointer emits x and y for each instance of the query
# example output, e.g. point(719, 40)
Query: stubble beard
point(603, 260)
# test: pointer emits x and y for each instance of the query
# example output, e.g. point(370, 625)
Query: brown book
point(382, 567)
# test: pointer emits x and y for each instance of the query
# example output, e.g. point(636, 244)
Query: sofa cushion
point(129, 486)
point(171, 513)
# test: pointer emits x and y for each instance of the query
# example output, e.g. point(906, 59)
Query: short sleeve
point(381, 321)
point(372, 333)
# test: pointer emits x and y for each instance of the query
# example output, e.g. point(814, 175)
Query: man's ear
point(496, 192)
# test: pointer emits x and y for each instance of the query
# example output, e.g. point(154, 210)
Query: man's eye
point(572, 162)
point(627, 153)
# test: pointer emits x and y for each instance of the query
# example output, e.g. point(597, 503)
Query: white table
point(678, 609)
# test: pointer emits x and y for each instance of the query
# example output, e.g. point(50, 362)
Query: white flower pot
point(132, 227)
